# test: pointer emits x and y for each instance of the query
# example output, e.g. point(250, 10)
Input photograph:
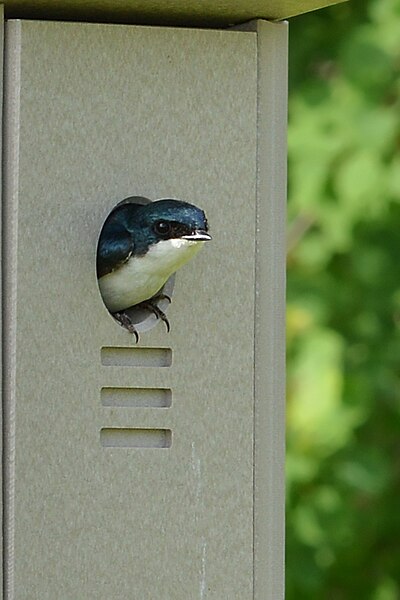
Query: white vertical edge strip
point(11, 125)
point(269, 449)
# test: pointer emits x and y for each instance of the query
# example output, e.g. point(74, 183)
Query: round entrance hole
point(142, 318)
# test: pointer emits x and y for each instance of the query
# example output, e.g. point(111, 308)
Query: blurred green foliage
point(343, 464)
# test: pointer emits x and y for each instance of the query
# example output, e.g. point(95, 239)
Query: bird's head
point(142, 245)
point(165, 220)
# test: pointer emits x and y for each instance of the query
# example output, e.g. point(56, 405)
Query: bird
point(140, 247)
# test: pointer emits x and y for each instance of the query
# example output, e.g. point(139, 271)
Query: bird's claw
point(152, 307)
point(162, 297)
point(125, 321)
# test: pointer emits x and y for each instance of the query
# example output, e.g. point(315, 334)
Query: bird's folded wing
point(115, 247)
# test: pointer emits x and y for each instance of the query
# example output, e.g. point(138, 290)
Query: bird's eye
point(163, 228)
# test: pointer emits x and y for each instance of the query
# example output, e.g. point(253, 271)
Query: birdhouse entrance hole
point(140, 317)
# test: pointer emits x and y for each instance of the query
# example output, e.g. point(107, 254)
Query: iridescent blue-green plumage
point(141, 246)
point(129, 229)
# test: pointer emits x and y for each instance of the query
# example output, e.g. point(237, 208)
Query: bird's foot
point(125, 321)
point(161, 297)
point(152, 307)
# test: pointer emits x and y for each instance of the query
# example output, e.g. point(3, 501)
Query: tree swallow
point(140, 247)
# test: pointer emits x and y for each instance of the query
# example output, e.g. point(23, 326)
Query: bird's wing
point(114, 248)
point(116, 242)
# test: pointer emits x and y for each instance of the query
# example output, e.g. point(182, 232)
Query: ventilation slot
point(125, 356)
point(113, 437)
point(136, 397)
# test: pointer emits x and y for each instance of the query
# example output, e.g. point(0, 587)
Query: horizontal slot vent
point(113, 437)
point(126, 356)
point(136, 397)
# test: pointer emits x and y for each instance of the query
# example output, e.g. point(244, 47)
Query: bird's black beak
point(198, 235)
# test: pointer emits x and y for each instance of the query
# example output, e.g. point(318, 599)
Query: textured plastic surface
point(171, 12)
point(112, 499)
point(269, 418)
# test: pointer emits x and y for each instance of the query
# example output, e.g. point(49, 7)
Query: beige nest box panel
point(130, 468)
point(152, 470)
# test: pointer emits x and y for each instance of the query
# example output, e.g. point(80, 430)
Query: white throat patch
point(142, 277)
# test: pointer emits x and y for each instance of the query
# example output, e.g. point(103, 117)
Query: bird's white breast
point(142, 277)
